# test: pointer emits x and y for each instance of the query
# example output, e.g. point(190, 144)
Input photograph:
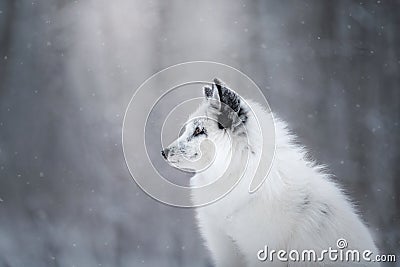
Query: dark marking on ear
point(208, 92)
point(227, 96)
point(218, 81)
point(231, 104)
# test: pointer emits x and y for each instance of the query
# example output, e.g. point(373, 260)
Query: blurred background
point(69, 68)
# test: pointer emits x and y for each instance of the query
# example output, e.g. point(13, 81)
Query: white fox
point(298, 207)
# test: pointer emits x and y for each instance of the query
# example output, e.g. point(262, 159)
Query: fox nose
point(164, 153)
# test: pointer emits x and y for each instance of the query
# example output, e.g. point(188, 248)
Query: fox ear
point(212, 96)
point(227, 96)
point(232, 111)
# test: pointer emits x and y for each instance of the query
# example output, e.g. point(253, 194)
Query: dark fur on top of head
point(232, 112)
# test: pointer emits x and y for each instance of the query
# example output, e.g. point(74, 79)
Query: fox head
point(210, 131)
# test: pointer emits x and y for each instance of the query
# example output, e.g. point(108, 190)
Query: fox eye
point(198, 131)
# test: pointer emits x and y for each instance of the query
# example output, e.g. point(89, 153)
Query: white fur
point(297, 207)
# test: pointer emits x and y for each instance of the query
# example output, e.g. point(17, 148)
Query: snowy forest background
point(67, 72)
